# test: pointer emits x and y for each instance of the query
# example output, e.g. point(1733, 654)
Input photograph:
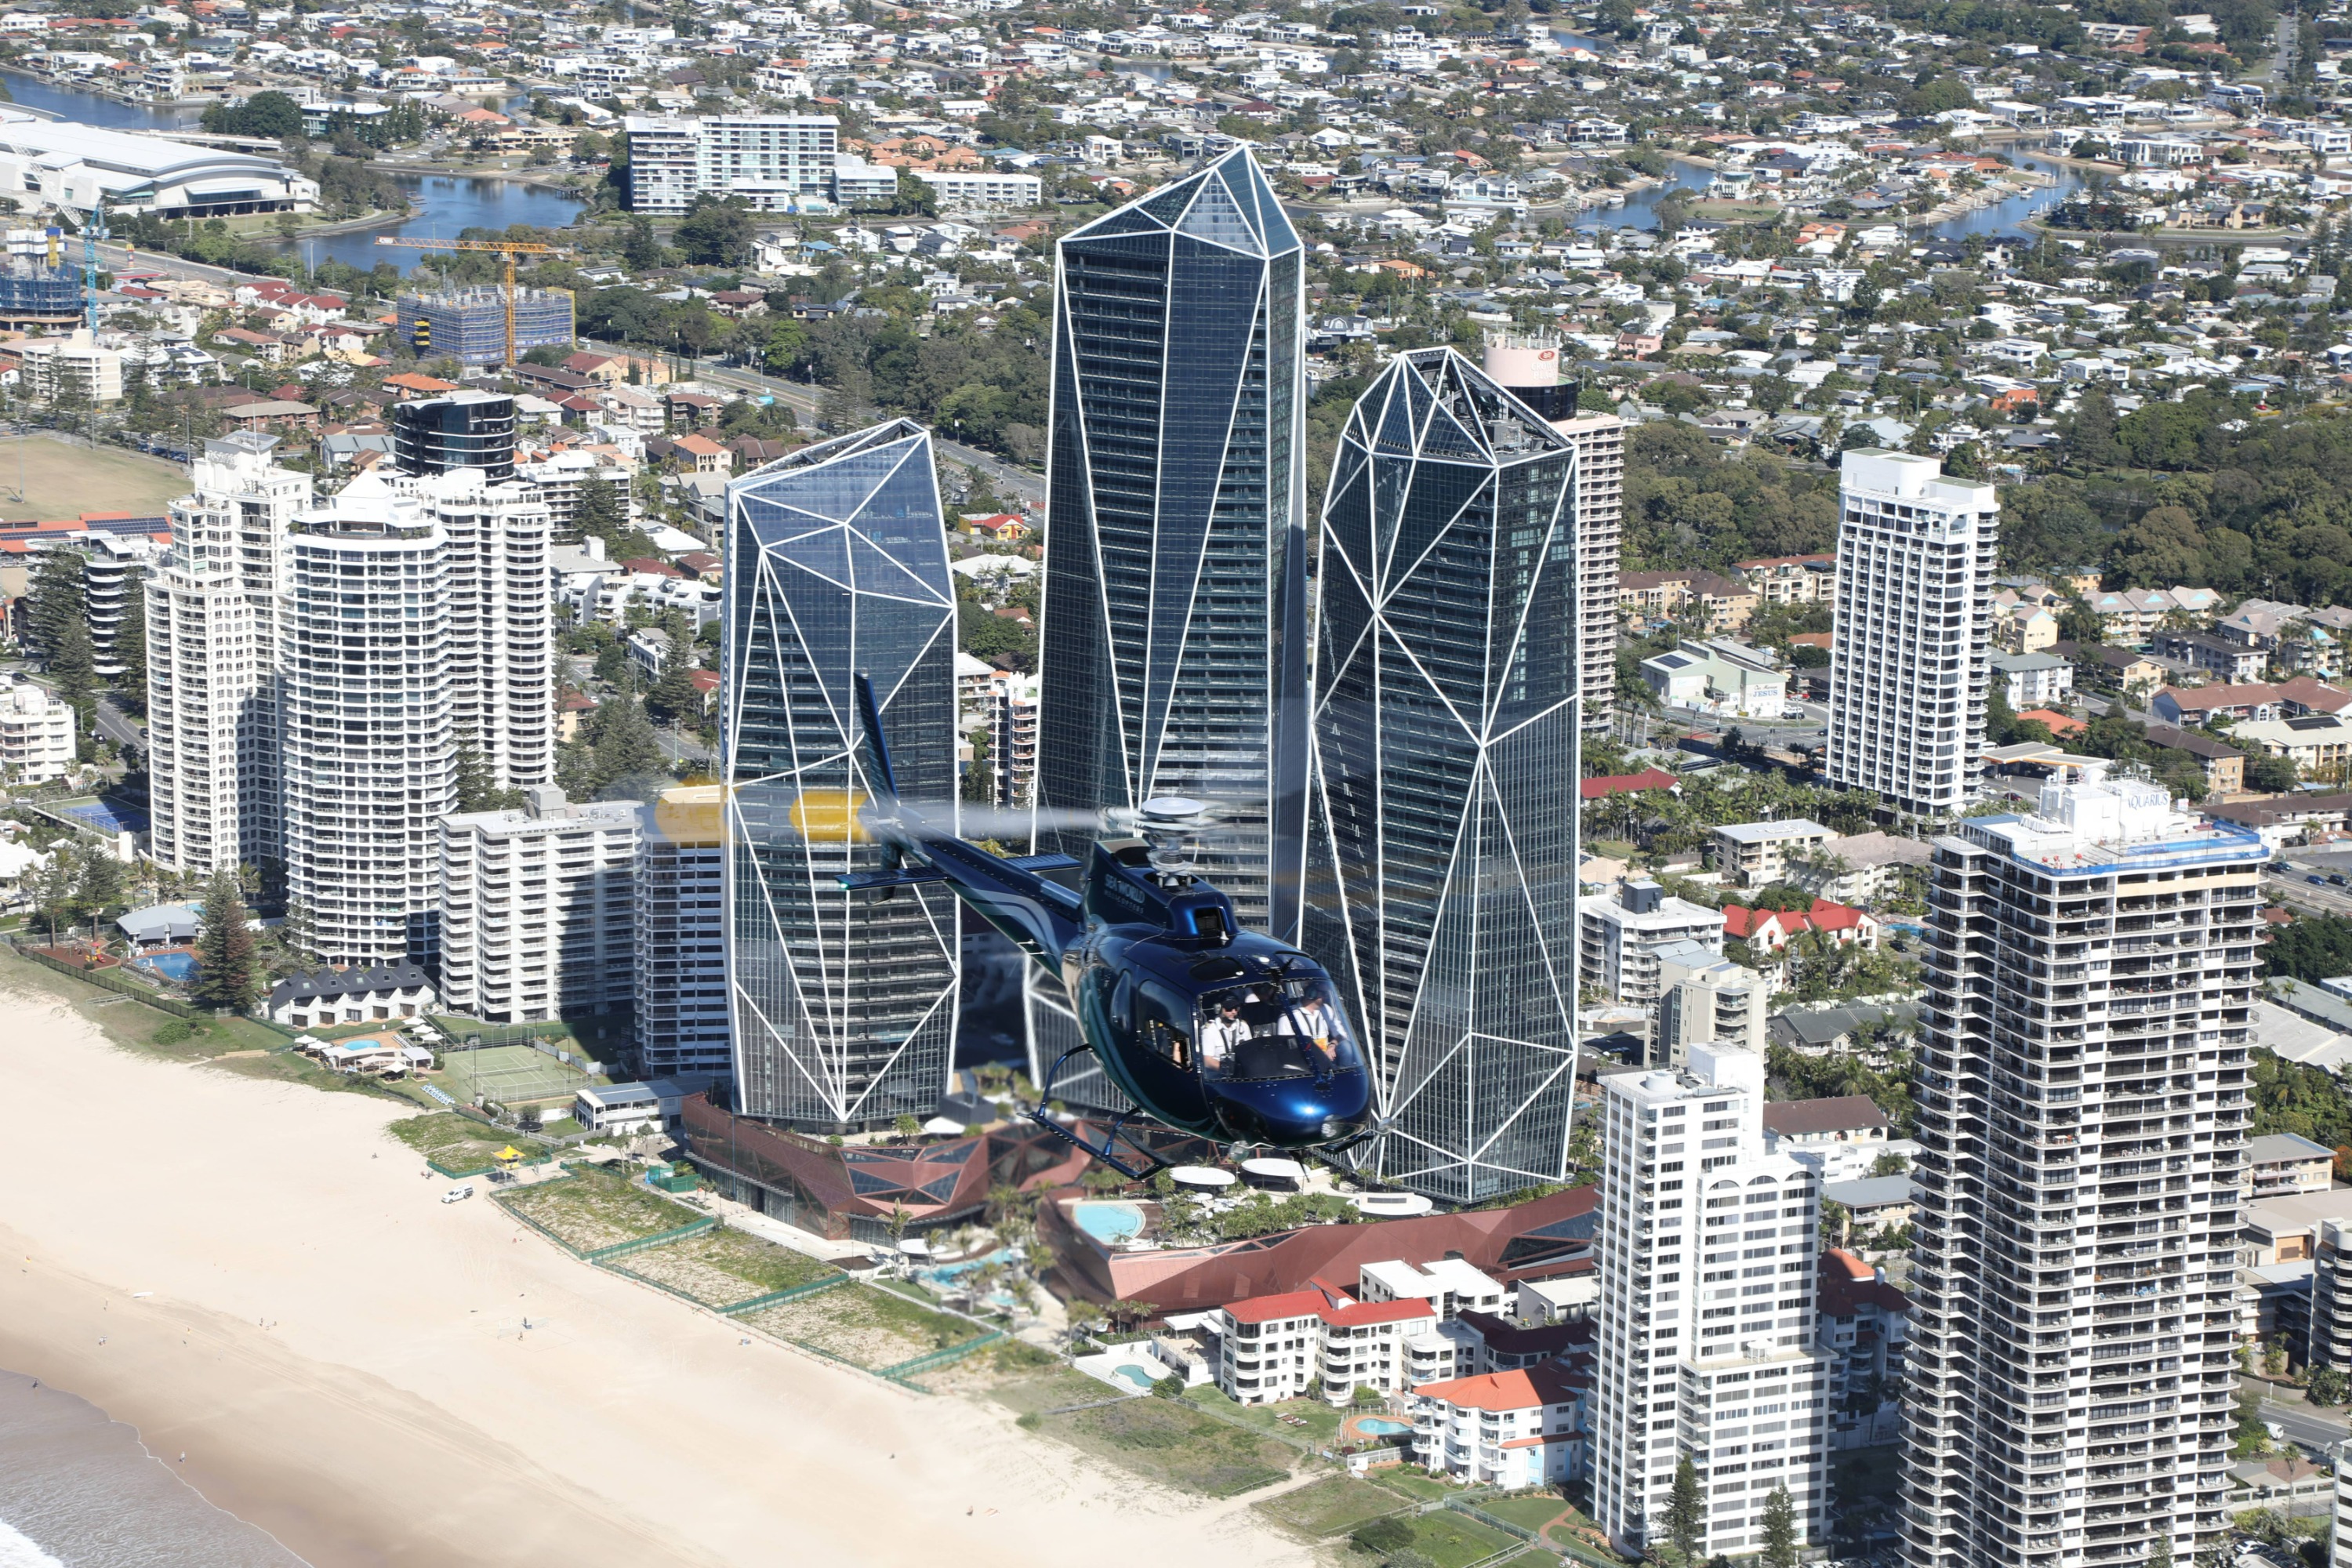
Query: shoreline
point(250, 1272)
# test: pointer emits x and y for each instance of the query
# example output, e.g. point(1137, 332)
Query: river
point(444, 204)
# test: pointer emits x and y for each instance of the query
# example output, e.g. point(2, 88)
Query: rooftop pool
point(1108, 1223)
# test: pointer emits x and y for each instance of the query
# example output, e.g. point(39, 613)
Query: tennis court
point(509, 1075)
point(108, 818)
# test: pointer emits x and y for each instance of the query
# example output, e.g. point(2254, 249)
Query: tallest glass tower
point(1175, 602)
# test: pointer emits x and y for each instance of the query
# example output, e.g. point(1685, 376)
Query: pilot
point(1226, 1030)
point(1313, 1017)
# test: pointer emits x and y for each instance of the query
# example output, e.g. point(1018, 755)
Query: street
point(2305, 1426)
point(118, 726)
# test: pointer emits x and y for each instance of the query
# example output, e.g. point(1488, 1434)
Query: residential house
point(1753, 854)
point(1515, 1430)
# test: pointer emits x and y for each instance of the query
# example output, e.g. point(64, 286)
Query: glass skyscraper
point(836, 565)
point(1443, 853)
point(1174, 659)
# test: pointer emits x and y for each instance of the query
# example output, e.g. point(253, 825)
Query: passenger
point(1222, 1033)
point(1313, 1018)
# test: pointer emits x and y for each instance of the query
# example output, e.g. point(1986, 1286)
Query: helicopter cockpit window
point(1273, 1030)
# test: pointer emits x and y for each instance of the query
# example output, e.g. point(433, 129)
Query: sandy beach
point(254, 1275)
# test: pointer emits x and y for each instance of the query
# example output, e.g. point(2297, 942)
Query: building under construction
point(37, 287)
point(470, 324)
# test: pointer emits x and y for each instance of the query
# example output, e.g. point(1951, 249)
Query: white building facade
point(36, 734)
point(213, 606)
point(1707, 1344)
point(536, 908)
point(775, 161)
point(2082, 1097)
point(501, 621)
point(371, 757)
point(1910, 662)
point(1620, 938)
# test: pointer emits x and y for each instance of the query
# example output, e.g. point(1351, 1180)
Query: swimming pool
point(1128, 1373)
point(174, 967)
point(1382, 1426)
point(1110, 1223)
point(949, 1273)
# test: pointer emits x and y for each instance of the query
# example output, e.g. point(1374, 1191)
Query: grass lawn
point(864, 1326)
point(1167, 1441)
point(1527, 1512)
point(1322, 1421)
point(595, 1209)
point(1418, 1485)
point(457, 1142)
point(1452, 1540)
point(1332, 1506)
point(62, 480)
point(723, 1266)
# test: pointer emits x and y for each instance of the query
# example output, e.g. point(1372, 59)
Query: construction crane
point(509, 248)
point(92, 233)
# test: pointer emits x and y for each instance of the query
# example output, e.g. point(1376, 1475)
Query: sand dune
point(392, 1410)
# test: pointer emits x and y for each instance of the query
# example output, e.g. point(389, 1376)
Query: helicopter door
point(1167, 1065)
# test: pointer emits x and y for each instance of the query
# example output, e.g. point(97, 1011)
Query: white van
point(458, 1194)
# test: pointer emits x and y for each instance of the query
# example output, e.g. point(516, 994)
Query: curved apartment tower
point(1174, 625)
point(371, 761)
point(1443, 847)
point(836, 566)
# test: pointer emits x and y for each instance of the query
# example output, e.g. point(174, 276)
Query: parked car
point(458, 1194)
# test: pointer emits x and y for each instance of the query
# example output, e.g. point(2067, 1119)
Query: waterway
point(442, 205)
point(2001, 219)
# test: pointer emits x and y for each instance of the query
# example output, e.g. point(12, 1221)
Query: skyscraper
point(1174, 625)
point(1442, 858)
point(536, 908)
point(836, 566)
point(681, 928)
point(1706, 1351)
point(501, 621)
point(1530, 365)
point(2070, 1374)
point(1912, 659)
point(212, 652)
point(370, 754)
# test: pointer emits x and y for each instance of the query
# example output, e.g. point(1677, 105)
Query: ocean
point(78, 1491)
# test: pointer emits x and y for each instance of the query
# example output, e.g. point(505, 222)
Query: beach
point(252, 1275)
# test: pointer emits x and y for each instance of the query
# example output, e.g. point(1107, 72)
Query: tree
point(916, 196)
point(979, 780)
point(1685, 1511)
point(130, 642)
point(55, 888)
point(626, 745)
point(715, 232)
point(2327, 1385)
point(269, 115)
point(101, 883)
point(228, 967)
point(640, 252)
point(1779, 1529)
point(74, 668)
point(58, 597)
point(905, 1126)
point(672, 698)
point(2271, 773)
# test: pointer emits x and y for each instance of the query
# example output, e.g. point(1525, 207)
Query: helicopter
point(1208, 1028)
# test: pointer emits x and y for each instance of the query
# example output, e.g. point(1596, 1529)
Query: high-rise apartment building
point(1707, 1344)
point(1530, 365)
point(836, 567)
point(1174, 629)
point(1441, 842)
point(501, 621)
point(463, 430)
point(1703, 996)
point(213, 648)
point(536, 908)
point(774, 161)
point(680, 928)
point(2082, 1099)
point(370, 743)
point(1912, 659)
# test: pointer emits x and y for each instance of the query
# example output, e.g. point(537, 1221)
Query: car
point(2337, 880)
point(2317, 880)
point(458, 1194)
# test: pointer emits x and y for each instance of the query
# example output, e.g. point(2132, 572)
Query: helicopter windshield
point(1273, 1030)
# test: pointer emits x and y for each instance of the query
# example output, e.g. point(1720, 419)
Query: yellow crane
point(509, 248)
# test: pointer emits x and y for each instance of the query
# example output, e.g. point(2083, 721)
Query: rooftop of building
point(1834, 1113)
point(1527, 1388)
point(1772, 832)
point(2087, 823)
point(2285, 1148)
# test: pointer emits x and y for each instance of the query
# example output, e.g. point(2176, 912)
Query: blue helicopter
point(1208, 1029)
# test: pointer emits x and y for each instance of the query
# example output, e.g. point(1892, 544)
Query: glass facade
point(1175, 658)
point(464, 430)
point(1441, 887)
point(836, 566)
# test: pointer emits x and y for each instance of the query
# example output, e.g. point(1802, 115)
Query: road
point(118, 726)
point(2304, 1425)
point(2283, 58)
